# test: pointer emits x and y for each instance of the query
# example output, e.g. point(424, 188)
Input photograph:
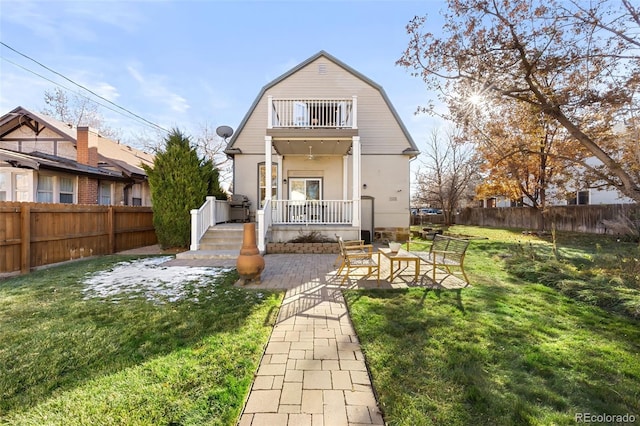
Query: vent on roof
point(322, 69)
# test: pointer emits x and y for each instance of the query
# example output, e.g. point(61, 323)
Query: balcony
point(312, 113)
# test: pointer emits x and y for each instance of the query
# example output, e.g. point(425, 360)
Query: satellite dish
point(224, 131)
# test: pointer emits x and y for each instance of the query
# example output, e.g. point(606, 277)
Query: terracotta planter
point(250, 263)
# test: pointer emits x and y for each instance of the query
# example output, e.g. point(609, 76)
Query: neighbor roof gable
point(123, 157)
point(322, 54)
point(65, 130)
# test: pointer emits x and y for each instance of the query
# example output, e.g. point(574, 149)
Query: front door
point(302, 194)
point(366, 218)
point(302, 189)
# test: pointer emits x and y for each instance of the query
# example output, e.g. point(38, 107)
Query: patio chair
point(356, 258)
point(355, 246)
point(446, 256)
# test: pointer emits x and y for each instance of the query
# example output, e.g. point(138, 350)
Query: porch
point(281, 220)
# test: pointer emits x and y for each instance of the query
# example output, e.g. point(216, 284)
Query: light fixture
point(364, 186)
point(284, 181)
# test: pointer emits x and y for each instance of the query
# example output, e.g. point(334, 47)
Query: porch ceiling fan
point(311, 157)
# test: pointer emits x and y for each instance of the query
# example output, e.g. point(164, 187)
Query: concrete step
point(208, 254)
point(220, 245)
point(223, 233)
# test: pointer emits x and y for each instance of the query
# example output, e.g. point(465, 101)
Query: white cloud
point(107, 91)
point(116, 14)
point(60, 21)
point(20, 89)
point(155, 88)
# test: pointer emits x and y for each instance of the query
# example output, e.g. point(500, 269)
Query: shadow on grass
point(517, 354)
point(52, 340)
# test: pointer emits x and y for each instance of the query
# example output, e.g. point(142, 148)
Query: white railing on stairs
point(264, 219)
point(209, 214)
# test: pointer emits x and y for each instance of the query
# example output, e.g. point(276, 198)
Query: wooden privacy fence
point(588, 219)
point(37, 234)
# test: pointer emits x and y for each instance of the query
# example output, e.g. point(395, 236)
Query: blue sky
point(184, 63)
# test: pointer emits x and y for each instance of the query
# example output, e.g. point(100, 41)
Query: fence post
point(111, 230)
point(261, 225)
point(195, 226)
point(25, 238)
point(212, 220)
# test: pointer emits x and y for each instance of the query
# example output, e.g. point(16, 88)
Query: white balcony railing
point(325, 212)
point(313, 113)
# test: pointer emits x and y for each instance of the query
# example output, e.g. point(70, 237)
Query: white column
point(345, 179)
point(354, 113)
point(280, 177)
point(267, 168)
point(355, 193)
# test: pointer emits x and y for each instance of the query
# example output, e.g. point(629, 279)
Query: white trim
point(354, 113)
point(267, 168)
point(355, 148)
point(279, 177)
point(345, 180)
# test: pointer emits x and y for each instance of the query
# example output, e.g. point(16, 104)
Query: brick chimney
point(87, 153)
point(87, 147)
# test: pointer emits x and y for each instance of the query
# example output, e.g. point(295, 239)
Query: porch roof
point(311, 147)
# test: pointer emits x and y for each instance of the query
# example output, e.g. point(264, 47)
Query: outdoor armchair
point(446, 256)
point(356, 258)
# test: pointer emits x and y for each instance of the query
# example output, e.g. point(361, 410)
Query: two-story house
point(322, 148)
point(45, 160)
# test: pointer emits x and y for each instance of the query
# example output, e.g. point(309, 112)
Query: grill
point(239, 208)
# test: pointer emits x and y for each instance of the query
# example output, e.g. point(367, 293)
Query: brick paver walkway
point(313, 370)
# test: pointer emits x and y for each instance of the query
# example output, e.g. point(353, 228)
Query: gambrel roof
point(322, 54)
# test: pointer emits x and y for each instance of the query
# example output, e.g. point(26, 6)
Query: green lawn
point(69, 359)
point(538, 339)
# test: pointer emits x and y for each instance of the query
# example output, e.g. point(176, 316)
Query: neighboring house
point(589, 196)
point(337, 152)
point(45, 160)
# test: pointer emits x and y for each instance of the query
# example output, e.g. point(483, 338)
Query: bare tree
point(446, 173)
point(76, 110)
point(577, 63)
point(212, 146)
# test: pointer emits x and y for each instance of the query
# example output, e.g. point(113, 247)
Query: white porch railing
point(325, 212)
point(312, 113)
point(264, 219)
point(209, 214)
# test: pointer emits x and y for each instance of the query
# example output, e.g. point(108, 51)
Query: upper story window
point(580, 197)
point(44, 193)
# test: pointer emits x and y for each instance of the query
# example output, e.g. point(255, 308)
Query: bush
point(311, 237)
point(179, 180)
